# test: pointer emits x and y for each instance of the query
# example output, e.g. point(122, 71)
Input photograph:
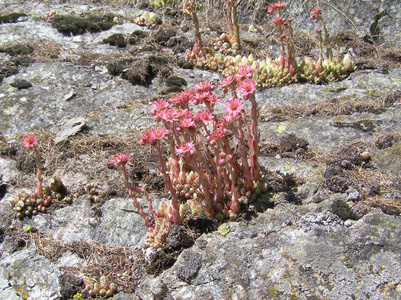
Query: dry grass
point(119, 264)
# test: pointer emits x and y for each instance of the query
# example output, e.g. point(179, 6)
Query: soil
point(347, 166)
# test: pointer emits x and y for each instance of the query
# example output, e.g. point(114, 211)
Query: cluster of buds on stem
point(147, 19)
point(94, 194)
point(104, 288)
point(190, 9)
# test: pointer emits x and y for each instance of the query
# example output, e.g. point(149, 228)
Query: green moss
point(12, 18)
point(69, 25)
point(18, 49)
point(342, 209)
point(116, 68)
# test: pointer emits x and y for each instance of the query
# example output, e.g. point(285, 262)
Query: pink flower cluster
point(213, 165)
point(198, 139)
point(316, 15)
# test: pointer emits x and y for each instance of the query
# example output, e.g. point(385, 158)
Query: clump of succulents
point(147, 19)
point(105, 288)
point(213, 166)
point(31, 204)
point(283, 70)
point(223, 45)
point(94, 194)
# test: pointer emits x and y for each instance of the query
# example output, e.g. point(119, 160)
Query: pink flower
point(244, 72)
point(202, 87)
point(204, 116)
point(187, 147)
point(315, 15)
point(219, 134)
point(316, 11)
point(159, 133)
point(181, 98)
point(160, 104)
point(168, 115)
point(120, 160)
point(279, 20)
point(276, 6)
point(229, 118)
point(187, 123)
point(29, 142)
point(146, 138)
point(246, 88)
point(227, 81)
point(213, 99)
point(202, 97)
point(233, 106)
point(184, 113)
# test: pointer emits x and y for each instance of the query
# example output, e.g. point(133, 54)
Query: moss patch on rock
point(18, 49)
point(69, 25)
point(12, 18)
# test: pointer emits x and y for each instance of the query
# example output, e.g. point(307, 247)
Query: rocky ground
point(329, 228)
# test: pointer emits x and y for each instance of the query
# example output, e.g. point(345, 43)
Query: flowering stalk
point(153, 137)
point(232, 18)
point(120, 160)
point(190, 9)
point(30, 143)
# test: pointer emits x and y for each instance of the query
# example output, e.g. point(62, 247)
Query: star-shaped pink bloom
point(120, 160)
point(202, 97)
point(160, 104)
point(159, 133)
point(203, 87)
point(278, 20)
point(29, 142)
point(169, 115)
point(246, 88)
point(227, 81)
point(233, 106)
point(276, 6)
point(204, 116)
point(244, 72)
point(186, 148)
point(146, 138)
point(187, 123)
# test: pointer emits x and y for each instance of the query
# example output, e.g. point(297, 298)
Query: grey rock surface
point(297, 250)
point(290, 252)
point(29, 276)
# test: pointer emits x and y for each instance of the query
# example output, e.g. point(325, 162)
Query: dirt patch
point(370, 55)
point(349, 170)
point(290, 146)
point(141, 71)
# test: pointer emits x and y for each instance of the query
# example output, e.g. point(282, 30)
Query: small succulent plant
point(31, 204)
point(94, 194)
point(147, 19)
point(104, 288)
